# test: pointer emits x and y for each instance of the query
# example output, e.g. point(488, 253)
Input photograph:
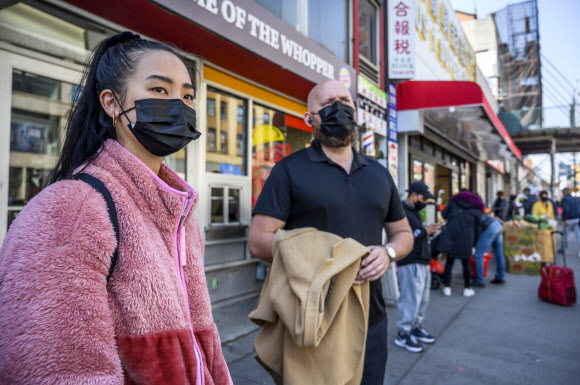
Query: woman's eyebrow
point(160, 77)
point(168, 80)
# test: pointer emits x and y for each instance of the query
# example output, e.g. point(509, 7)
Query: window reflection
point(367, 20)
point(324, 21)
point(274, 138)
point(226, 136)
point(217, 205)
point(40, 106)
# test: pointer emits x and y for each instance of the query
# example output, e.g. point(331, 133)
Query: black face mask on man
point(337, 120)
point(163, 126)
point(420, 205)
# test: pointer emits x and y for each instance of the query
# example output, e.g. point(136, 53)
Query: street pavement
point(502, 335)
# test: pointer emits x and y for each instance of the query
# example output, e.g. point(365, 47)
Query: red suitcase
point(557, 284)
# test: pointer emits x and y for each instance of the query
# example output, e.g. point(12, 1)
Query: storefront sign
point(401, 39)
point(437, 25)
point(372, 106)
point(248, 24)
point(392, 140)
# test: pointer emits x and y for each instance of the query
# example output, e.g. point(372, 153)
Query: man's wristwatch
point(391, 252)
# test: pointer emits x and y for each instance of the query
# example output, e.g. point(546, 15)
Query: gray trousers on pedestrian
point(414, 286)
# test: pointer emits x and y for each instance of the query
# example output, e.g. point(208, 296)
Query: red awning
point(439, 95)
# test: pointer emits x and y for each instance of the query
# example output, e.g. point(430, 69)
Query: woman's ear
point(109, 103)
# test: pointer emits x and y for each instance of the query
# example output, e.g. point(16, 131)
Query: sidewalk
point(502, 335)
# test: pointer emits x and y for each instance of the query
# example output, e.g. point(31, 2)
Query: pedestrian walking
point(512, 208)
point(328, 186)
point(414, 275)
point(460, 236)
point(529, 201)
point(79, 305)
point(544, 207)
point(500, 206)
point(571, 216)
point(491, 235)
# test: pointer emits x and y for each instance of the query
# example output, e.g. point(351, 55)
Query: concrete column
point(553, 166)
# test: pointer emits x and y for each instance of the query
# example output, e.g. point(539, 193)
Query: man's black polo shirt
point(306, 189)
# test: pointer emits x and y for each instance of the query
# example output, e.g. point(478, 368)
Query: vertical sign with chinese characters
point(401, 39)
point(372, 106)
point(392, 140)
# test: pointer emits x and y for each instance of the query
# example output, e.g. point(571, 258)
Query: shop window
point(368, 23)
point(429, 171)
point(324, 21)
point(241, 114)
point(40, 107)
point(455, 182)
point(273, 140)
point(240, 145)
point(463, 178)
point(231, 156)
point(217, 205)
point(211, 140)
point(225, 205)
point(417, 173)
point(234, 205)
point(428, 148)
point(223, 110)
point(210, 107)
point(223, 142)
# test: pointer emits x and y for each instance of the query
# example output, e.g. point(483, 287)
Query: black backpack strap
point(100, 187)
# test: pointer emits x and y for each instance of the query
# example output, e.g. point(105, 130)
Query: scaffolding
point(520, 79)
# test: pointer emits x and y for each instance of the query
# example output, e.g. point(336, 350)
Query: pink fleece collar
point(115, 147)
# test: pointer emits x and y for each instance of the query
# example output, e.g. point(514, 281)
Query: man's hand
point(374, 265)
point(567, 222)
point(432, 228)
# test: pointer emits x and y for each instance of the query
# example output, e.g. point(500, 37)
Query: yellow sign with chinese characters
point(436, 22)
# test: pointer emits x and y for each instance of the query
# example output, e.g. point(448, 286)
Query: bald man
point(331, 187)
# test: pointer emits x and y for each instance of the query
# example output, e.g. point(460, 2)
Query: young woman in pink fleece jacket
point(61, 322)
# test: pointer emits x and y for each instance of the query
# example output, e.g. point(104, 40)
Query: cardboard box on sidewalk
point(525, 248)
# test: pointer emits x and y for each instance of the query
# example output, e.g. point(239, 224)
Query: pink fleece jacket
point(61, 323)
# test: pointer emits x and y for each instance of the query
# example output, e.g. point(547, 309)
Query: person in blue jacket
point(571, 216)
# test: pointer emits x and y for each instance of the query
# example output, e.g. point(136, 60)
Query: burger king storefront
point(254, 72)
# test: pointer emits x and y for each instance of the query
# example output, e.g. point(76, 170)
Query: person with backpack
point(460, 236)
point(72, 313)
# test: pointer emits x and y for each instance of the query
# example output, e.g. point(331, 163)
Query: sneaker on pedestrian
point(446, 291)
point(407, 341)
point(475, 283)
point(496, 281)
point(468, 292)
point(421, 335)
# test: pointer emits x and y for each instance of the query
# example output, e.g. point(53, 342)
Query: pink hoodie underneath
point(59, 320)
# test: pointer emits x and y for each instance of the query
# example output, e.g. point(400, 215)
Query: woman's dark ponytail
point(109, 66)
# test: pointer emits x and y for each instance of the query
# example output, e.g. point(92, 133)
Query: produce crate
point(525, 248)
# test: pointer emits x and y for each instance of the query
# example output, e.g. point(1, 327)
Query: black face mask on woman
point(337, 120)
point(163, 126)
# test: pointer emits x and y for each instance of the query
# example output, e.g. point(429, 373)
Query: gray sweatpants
point(414, 285)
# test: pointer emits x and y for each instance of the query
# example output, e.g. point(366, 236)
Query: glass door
point(37, 97)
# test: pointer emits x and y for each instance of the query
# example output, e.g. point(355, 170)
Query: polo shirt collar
point(316, 154)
